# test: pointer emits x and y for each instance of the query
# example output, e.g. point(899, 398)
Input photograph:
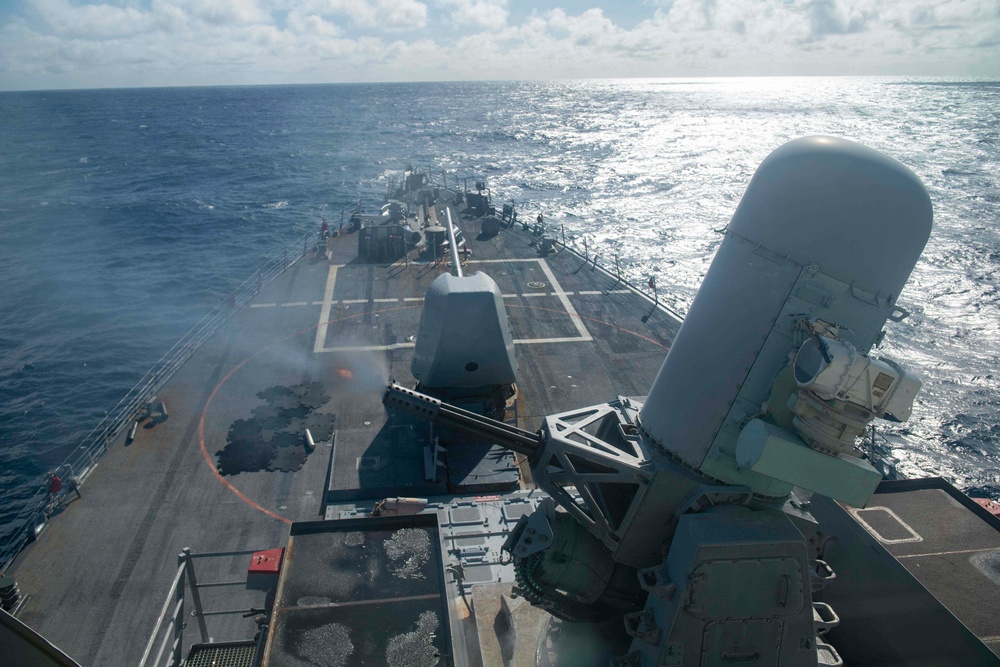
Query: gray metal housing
point(464, 338)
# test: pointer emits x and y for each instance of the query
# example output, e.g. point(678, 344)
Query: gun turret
point(476, 426)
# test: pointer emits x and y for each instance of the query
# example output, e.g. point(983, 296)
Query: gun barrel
point(476, 426)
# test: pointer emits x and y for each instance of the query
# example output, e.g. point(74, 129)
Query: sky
point(53, 44)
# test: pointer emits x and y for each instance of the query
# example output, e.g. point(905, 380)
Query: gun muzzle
point(481, 428)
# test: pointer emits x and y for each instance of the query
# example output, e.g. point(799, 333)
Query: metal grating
point(228, 654)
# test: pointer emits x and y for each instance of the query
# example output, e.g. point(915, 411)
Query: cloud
point(92, 21)
point(828, 17)
point(124, 42)
point(375, 14)
point(478, 13)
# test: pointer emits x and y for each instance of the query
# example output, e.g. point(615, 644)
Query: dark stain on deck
point(273, 439)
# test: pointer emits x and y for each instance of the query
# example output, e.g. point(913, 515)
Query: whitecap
point(277, 204)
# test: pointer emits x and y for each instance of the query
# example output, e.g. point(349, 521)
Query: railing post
point(178, 647)
point(197, 612)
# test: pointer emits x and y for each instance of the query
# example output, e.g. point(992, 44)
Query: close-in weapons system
point(685, 511)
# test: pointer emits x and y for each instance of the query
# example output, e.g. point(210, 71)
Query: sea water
point(125, 215)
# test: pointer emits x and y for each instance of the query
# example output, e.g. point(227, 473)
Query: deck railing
point(135, 403)
point(169, 628)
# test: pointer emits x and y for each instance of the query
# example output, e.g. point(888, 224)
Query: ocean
point(125, 215)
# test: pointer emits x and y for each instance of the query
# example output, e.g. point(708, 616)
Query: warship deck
point(315, 348)
point(95, 579)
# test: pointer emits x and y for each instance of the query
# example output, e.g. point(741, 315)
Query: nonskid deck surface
point(918, 544)
point(97, 577)
point(949, 546)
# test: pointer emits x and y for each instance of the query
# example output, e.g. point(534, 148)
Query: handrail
point(80, 462)
point(170, 624)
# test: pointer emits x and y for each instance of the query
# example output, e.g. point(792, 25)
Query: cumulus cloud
point(120, 42)
point(93, 21)
point(480, 13)
point(381, 14)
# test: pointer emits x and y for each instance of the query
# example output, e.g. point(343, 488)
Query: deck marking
point(501, 261)
point(324, 313)
point(263, 305)
point(573, 315)
point(597, 321)
point(856, 513)
point(949, 553)
point(295, 303)
point(368, 348)
point(558, 292)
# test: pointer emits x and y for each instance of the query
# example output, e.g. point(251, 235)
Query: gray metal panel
point(715, 348)
point(464, 338)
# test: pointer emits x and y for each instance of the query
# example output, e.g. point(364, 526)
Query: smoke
point(356, 368)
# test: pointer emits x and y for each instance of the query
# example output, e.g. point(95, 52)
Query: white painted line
point(500, 261)
point(948, 553)
point(367, 348)
point(295, 303)
point(263, 305)
point(413, 298)
point(560, 294)
point(915, 536)
point(386, 300)
point(529, 294)
point(400, 346)
point(589, 292)
point(573, 315)
point(324, 312)
point(318, 303)
point(353, 301)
